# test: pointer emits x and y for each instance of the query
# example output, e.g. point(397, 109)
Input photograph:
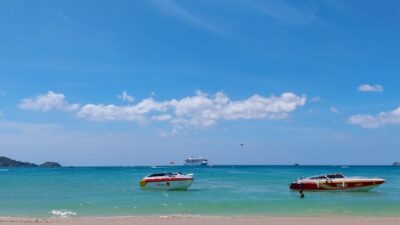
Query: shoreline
point(199, 220)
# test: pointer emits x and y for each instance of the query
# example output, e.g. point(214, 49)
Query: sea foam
point(62, 213)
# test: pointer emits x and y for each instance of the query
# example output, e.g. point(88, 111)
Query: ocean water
point(218, 190)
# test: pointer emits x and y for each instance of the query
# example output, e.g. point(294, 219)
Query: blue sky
point(150, 82)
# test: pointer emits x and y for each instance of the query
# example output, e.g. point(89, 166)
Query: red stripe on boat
point(166, 179)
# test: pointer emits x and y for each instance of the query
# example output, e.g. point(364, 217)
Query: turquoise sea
point(217, 190)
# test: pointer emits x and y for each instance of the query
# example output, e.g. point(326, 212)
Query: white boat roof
point(196, 158)
point(164, 174)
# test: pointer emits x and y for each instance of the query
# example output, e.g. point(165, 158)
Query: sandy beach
point(200, 220)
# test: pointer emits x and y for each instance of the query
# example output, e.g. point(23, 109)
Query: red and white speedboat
point(336, 182)
point(167, 181)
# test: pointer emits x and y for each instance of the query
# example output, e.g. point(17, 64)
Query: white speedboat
point(192, 161)
point(336, 182)
point(167, 181)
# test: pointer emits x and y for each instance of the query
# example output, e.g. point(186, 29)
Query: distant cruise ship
point(192, 161)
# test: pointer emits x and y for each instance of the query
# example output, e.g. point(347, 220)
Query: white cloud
point(125, 113)
point(200, 110)
point(258, 107)
point(382, 119)
point(47, 102)
point(162, 117)
point(124, 96)
point(370, 88)
point(334, 110)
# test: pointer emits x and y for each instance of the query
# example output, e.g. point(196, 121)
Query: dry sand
point(202, 220)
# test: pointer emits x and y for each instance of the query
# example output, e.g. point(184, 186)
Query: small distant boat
point(199, 161)
point(336, 182)
point(167, 181)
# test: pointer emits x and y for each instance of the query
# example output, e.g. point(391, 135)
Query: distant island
point(7, 162)
point(396, 164)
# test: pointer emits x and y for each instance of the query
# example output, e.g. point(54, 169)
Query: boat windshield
point(337, 175)
point(328, 176)
point(318, 177)
point(164, 174)
point(160, 174)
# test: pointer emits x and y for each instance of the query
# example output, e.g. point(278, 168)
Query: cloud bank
point(200, 110)
point(382, 119)
point(370, 88)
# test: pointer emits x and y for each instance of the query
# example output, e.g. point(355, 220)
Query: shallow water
point(219, 190)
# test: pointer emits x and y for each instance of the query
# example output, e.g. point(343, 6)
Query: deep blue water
point(219, 190)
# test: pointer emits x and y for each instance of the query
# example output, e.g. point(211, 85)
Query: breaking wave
point(62, 213)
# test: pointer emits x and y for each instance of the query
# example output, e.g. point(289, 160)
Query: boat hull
point(336, 185)
point(166, 184)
